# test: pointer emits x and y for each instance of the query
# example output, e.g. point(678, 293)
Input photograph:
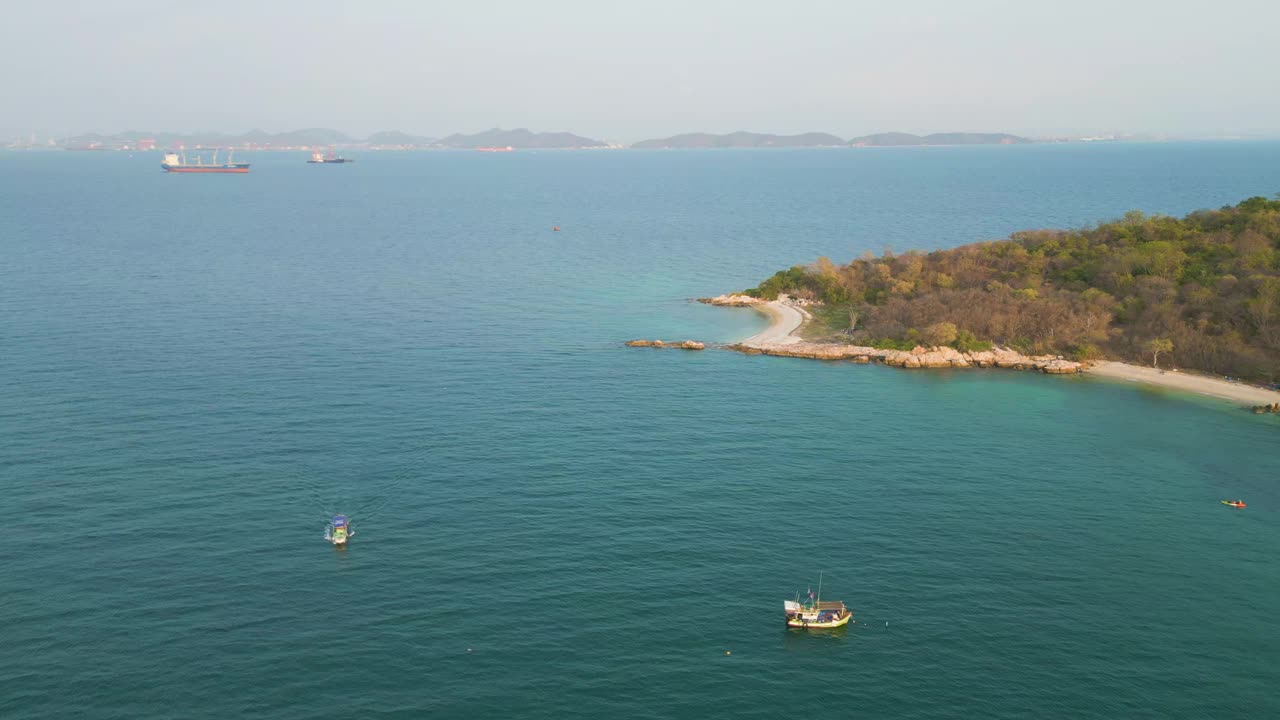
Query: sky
point(626, 70)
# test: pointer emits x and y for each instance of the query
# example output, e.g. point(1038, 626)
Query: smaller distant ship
point(177, 163)
point(339, 530)
point(320, 158)
point(814, 614)
point(508, 148)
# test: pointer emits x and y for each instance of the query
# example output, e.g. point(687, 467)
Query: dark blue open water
point(197, 370)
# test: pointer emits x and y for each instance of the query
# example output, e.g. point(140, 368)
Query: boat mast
point(819, 587)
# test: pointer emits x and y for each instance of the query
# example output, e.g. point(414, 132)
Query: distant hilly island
point(309, 137)
point(523, 138)
point(312, 137)
point(520, 138)
point(890, 139)
point(741, 140)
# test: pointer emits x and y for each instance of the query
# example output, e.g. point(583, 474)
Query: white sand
point(1212, 386)
point(785, 319)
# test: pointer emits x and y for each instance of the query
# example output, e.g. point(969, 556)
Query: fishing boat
point(177, 163)
point(339, 530)
point(332, 158)
point(814, 614)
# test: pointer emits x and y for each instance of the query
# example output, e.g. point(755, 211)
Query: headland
point(788, 316)
point(782, 338)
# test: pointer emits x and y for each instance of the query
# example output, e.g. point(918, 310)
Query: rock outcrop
point(685, 345)
point(919, 357)
point(732, 300)
point(1272, 408)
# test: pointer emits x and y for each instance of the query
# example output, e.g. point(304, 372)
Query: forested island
point(1201, 292)
point(520, 138)
point(901, 139)
point(743, 139)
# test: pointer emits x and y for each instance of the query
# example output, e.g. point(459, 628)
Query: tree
point(1208, 284)
point(1157, 346)
point(943, 333)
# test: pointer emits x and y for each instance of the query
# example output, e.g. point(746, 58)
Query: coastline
point(785, 319)
point(1250, 395)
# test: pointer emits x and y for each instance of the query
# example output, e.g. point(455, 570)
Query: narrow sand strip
point(785, 319)
point(1215, 387)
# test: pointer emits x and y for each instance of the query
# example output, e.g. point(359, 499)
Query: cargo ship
point(507, 148)
point(321, 158)
point(175, 163)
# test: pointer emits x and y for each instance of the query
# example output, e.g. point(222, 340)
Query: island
point(900, 139)
point(520, 138)
point(1190, 302)
point(254, 139)
point(740, 139)
point(396, 140)
point(743, 139)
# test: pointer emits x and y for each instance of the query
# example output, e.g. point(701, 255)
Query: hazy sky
point(628, 70)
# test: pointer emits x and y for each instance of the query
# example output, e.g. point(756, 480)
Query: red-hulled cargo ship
point(175, 163)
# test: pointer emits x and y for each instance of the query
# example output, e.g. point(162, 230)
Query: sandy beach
point(786, 319)
point(1204, 385)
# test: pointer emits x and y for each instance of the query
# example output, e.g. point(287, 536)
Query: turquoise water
point(198, 370)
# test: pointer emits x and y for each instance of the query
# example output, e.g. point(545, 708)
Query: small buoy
point(468, 649)
point(726, 652)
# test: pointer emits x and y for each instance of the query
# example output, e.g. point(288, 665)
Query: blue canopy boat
point(339, 530)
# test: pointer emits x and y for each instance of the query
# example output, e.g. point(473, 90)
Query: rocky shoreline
point(788, 315)
point(732, 300)
point(679, 345)
point(918, 357)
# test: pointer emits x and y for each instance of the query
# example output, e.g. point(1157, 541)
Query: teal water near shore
point(199, 369)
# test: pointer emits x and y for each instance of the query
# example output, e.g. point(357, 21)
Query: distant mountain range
point(520, 138)
point(395, 138)
point(295, 138)
point(893, 139)
point(741, 140)
point(750, 140)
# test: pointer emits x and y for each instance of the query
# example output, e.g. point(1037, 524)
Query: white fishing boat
point(814, 614)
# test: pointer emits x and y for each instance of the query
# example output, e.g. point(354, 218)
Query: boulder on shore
point(685, 345)
point(732, 300)
point(1058, 366)
point(940, 356)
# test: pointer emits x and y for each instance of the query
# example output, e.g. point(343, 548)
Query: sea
point(199, 370)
